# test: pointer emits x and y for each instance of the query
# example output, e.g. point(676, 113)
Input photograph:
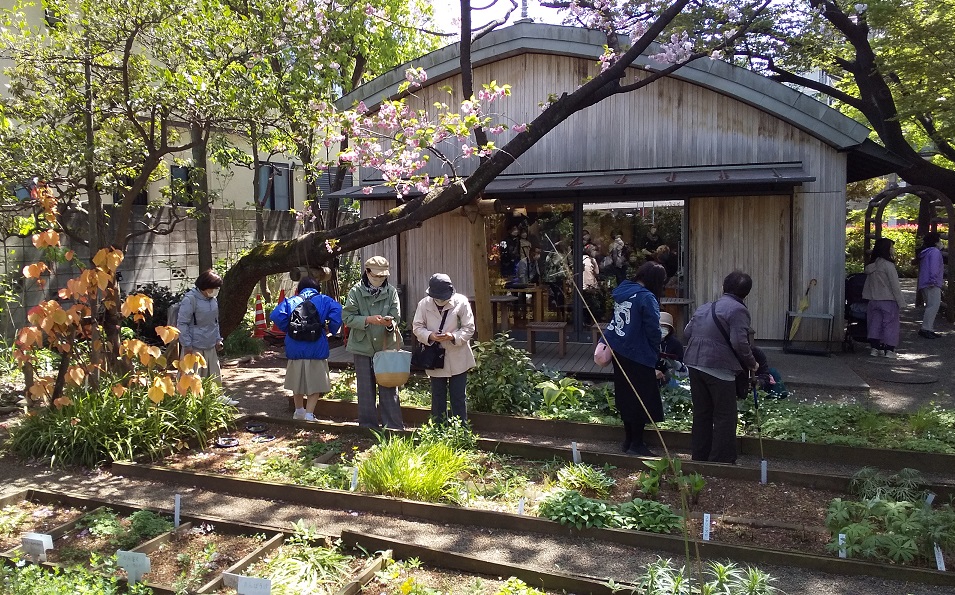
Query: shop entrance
point(540, 254)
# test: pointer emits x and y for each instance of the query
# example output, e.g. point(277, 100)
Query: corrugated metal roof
point(630, 183)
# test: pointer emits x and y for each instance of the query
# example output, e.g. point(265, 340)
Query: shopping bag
point(392, 366)
point(603, 355)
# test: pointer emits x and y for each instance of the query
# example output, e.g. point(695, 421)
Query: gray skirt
point(307, 376)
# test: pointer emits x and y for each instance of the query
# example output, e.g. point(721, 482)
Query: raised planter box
point(440, 513)
point(784, 449)
point(817, 481)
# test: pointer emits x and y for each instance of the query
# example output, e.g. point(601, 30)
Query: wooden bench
point(548, 327)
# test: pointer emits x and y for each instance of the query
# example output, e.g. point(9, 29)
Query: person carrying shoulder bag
point(717, 351)
point(445, 317)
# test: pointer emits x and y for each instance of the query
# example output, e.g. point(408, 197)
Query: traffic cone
point(260, 324)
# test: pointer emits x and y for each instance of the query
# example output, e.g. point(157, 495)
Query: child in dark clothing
point(768, 379)
point(670, 366)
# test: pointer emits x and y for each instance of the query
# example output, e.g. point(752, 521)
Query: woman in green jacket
point(370, 312)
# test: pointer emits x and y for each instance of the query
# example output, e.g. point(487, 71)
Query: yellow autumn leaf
point(33, 271)
point(76, 375)
point(168, 334)
point(62, 402)
point(30, 335)
point(69, 255)
point(137, 305)
point(189, 383)
point(60, 316)
point(155, 394)
point(191, 360)
point(119, 390)
point(108, 259)
point(46, 239)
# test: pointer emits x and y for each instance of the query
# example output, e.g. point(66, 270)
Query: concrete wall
point(171, 260)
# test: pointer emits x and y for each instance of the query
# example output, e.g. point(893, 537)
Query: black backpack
point(305, 323)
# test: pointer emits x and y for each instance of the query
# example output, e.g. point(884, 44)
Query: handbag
point(603, 355)
point(392, 366)
point(430, 357)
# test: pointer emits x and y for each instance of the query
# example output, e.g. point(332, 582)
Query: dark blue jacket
point(634, 331)
point(328, 309)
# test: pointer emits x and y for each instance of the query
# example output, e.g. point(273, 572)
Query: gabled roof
point(802, 111)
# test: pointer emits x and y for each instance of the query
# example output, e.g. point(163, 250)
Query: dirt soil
point(30, 517)
point(188, 551)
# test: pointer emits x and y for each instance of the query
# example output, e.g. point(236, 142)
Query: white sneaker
point(299, 414)
point(876, 352)
point(227, 400)
point(309, 416)
point(891, 354)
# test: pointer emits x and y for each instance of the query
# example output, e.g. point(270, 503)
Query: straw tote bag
point(392, 366)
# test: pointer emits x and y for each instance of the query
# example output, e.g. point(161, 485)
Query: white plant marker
point(134, 563)
point(939, 559)
point(575, 454)
point(254, 586)
point(354, 479)
point(35, 545)
point(175, 511)
point(842, 545)
point(803, 436)
point(929, 498)
point(763, 472)
point(706, 526)
point(520, 505)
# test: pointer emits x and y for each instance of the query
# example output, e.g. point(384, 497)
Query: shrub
point(585, 479)
point(97, 427)
point(570, 507)
point(34, 579)
point(905, 245)
point(504, 378)
point(241, 342)
point(398, 467)
point(454, 433)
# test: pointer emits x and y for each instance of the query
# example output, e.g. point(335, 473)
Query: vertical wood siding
point(667, 124)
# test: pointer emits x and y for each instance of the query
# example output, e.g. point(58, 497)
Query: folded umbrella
point(803, 306)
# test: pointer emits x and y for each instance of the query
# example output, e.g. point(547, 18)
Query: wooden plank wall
point(674, 123)
point(723, 237)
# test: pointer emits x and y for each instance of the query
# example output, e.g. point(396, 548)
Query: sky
point(448, 12)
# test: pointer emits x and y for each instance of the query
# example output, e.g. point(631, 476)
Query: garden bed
point(191, 558)
point(748, 516)
point(20, 516)
point(885, 458)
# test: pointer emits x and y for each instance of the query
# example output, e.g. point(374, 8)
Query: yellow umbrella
point(803, 306)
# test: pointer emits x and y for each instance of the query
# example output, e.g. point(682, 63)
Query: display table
point(548, 327)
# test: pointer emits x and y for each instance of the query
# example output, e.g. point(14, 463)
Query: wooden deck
point(578, 361)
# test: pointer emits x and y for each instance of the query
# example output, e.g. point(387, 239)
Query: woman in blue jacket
point(306, 374)
point(634, 335)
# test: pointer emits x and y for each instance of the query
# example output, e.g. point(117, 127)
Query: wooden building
point(746, 173)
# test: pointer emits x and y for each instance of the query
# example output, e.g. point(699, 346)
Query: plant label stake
point(134, 563)
point(939, 560)
point(175, 511)
point(520, 506)
point(354, 479)
point(575, 454)
point(763, 472)
point(929, 498)
point(803, 436)
point(35, 545)
point(706, 526)
point(842, 545)
point(254, 586)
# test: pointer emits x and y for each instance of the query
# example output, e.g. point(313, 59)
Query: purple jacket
point(706, 347)
point(930, 268)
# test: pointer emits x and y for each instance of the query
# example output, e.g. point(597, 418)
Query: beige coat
point(460, 323)
point(882, 282)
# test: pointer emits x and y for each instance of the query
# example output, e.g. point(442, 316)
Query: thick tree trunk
point(201, 194)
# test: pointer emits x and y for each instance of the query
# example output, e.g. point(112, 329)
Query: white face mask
point(441, 303)
point(376, 281)
point(214, 292)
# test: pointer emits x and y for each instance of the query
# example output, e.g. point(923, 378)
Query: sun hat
point(666, 319)
point(378, 265)
point(439, 287)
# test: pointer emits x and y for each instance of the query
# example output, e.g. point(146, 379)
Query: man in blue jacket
point(306, 374)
